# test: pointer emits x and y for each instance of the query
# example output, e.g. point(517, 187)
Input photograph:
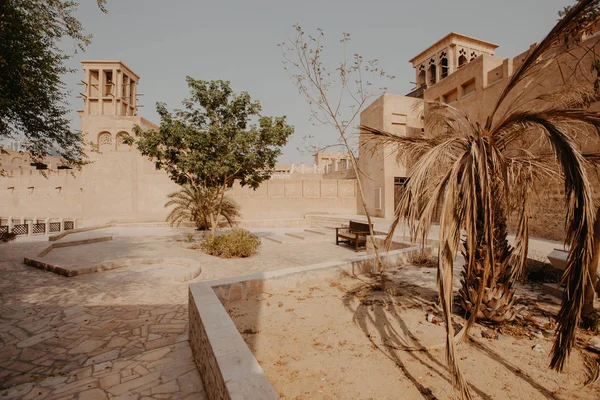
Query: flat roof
point(110, 62)
point(457, 35)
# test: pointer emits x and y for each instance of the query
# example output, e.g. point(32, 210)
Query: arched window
point(473, 56)
point(421, 80)
point(432, 74)
point(105, 141)
point(444, 65)
point(462, 60)
point(121, 145)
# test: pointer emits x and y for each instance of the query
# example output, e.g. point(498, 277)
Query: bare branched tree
point(336, 95)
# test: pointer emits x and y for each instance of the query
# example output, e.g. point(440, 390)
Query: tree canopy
point(33, 103)
point(211, 142)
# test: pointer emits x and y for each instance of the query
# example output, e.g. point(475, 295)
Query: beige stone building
point(463, 72)
point(121, 185)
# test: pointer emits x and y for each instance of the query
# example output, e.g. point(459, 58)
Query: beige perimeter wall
point(123, 186)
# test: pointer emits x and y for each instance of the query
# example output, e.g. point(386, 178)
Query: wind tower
point(119, 180)
point(109, 103)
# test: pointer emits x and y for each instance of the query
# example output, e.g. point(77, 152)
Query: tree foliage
point(211, 142)
point(33, 103)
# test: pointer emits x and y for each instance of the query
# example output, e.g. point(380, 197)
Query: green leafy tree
point(33, 98)
point(195, 203)
point(211, 142)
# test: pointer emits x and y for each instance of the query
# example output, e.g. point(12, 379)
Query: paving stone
point(108, 328)
point(29, 354)
point(35, 325)
point(135, 383)
point(54, 381)
point(126, 397)
point(93, 394)
point(155, 344)
point(106, 356)
point(37, 393)
point(102, 367)
point(167, 388)
point(140, 370)
point(168, 328)
point(19, 333)
point(110, 381)
point(75, 387)
point(155, 354)
point(86, 346)
point(39, 338)
point(190, 382)
point(20, 366)
point(117, 341)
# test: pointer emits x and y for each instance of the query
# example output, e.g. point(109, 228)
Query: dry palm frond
point(473, 176)
point(592, 366)
point(577, 21)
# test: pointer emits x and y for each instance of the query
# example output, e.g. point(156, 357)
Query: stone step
point(317, 231)
point(295, 235)
point(281, 239)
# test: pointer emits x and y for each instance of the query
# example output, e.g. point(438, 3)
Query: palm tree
point(196, 204)
point(474, 175)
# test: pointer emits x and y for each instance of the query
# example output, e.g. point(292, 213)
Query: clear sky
point(163, 41)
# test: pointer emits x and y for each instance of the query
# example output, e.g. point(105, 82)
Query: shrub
point(237, 244)
point(7, 237)
point(422, 259)
point(536, 271)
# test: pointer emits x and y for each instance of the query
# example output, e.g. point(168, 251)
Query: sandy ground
point(336, 341)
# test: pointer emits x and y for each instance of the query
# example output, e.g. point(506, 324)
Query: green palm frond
point(196, 203)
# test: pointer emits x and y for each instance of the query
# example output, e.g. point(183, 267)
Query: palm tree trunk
point(590, 290)
point(220, 196)
point(499, 293)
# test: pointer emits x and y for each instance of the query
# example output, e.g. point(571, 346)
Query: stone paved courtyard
point(118, 334)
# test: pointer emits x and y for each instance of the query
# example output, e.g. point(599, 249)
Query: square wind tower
point(109, 89)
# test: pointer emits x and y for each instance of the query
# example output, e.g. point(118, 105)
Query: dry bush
point(422, 259)
point(536, 271)
point(237, 244)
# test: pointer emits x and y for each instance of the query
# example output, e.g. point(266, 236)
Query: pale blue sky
point(163, 41)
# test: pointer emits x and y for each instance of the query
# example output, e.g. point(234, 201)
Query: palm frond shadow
point(381, 310)
point(380, 313)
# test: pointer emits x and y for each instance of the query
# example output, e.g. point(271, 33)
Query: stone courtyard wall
point(29, 193)
point(124, 187)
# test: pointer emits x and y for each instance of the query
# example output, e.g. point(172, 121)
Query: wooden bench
point(355, 235)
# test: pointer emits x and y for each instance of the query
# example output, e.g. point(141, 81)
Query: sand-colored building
point(121, 185)
point(463, 72)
